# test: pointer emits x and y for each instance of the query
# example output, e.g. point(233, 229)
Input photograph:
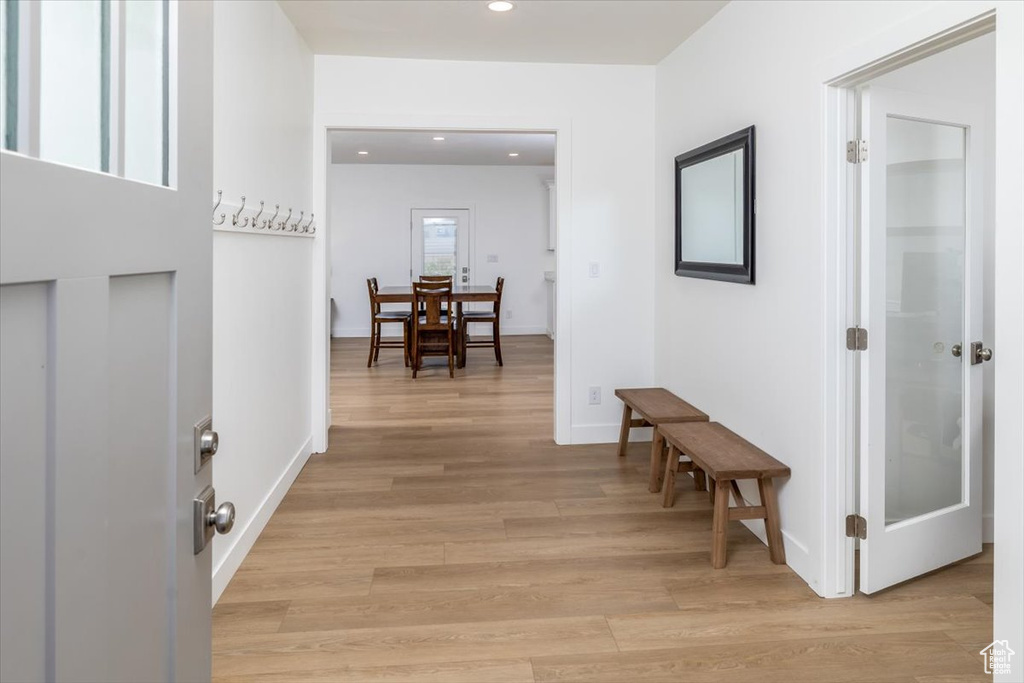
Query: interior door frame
point(930, 32)
point(323, 124)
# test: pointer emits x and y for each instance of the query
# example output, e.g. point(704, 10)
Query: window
point(440, 247)
point(101, 84)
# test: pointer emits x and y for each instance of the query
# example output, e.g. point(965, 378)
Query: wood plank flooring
point(445, 538)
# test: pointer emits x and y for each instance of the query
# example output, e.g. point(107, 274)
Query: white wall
point(967, 73)
point(261, 287)
point(610, 196)
point(752, 357)
point(369, 218)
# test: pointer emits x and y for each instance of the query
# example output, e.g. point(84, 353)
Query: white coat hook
point(215, 207)
point(236, 219)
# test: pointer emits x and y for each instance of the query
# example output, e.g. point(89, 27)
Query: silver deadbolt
point(209, 519)
point(979, 353)
point(206, 443)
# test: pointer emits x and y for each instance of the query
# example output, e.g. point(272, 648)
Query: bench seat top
point(660, 406)
point(722, 453)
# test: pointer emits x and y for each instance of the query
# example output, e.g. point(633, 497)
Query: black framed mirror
point(715, 210)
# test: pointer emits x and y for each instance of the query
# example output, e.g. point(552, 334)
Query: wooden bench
point(656, 406)
point(725, 457)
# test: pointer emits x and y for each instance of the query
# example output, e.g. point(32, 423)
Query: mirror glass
point(711, 208)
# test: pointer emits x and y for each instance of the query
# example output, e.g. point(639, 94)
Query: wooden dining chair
point(379, 318)
point(491, 317)
point(433, 332)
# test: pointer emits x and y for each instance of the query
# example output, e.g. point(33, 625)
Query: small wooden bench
point(655, 406)
point(725, 457)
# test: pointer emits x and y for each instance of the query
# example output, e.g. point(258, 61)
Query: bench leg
point(776, 550)
point(669, 486)
point(720, 524)
point(627, 416)
point(657, 453)
point(699, 481)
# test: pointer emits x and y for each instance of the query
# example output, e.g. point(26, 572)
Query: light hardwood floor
point(445, 538)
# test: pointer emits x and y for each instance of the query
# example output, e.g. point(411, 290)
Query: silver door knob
point(209, 441)
point(979, 353)
point(957, 350)
point(223, 518)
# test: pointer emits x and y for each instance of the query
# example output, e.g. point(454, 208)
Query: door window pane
point(9, 24)
point(145, 132)
point(925, 237)
point(74, 64)
point(440, 246)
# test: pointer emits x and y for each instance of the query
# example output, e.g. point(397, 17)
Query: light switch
point(595, 269)
point(492, 258)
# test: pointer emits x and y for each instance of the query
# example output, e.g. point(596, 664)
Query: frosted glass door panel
point(145, 127)
point(74, 62)
point(925, 243)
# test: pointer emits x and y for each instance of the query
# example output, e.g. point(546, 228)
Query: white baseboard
point(606, 433)
point(245, 539)
point(988, 529)
point(364, 332)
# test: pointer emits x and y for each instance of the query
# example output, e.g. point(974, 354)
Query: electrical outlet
point(594, 394)
point(508, 314)
point(492, 258)
point(595, 269)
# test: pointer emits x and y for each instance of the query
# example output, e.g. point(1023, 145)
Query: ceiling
point(458, 148)
point(571, 31)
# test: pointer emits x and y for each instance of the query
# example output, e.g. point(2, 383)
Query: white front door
point(920, 293)
point(441, 243)
point(105, 341)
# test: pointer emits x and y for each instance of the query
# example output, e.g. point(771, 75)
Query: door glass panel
point(925, 237)
point(145, 127)
point(9, 24)
point(440, 246)
point(74, 69)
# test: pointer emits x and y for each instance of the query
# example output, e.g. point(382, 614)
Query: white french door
point(440, 243)
point(920, 293)
point(105, 340)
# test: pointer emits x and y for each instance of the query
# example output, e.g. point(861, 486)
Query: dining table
point(461, 294)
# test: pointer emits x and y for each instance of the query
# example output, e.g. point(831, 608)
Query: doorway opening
point(914, 204)
point(478, 206)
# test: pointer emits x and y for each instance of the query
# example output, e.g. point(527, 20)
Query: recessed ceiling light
point(363, 153)
point(501, 6)
point(439, 138)
point(513, 154)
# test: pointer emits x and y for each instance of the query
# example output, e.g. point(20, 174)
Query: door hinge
point(856, 527)
point(857, 151)
point(856, 339)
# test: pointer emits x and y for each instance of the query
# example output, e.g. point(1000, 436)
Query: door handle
point(957, 350)
point(208, 519)
point(979, 353)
